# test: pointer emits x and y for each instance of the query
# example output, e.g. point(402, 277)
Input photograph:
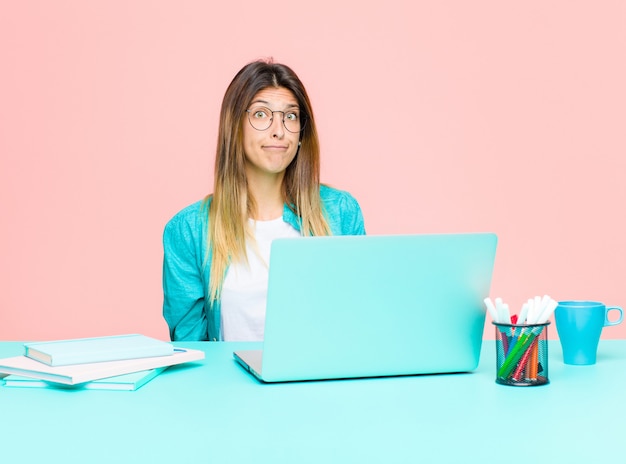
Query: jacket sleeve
point(183, 286)
point(343, 212)
point(352, 217)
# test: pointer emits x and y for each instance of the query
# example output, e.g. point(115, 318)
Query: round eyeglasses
point(261, 118)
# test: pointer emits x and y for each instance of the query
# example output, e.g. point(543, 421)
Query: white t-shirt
point(244, 291)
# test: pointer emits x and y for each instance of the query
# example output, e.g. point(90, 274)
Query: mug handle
point(607, 322)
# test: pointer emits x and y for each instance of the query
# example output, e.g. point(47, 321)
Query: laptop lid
point(368, 306)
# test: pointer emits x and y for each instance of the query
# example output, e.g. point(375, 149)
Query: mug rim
point(580, 303)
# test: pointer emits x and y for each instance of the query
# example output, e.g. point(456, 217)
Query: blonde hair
point(231, 202)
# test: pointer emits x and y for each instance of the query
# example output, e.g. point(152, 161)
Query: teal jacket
point(186, 307)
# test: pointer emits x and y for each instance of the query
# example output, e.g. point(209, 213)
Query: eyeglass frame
point(301, 116)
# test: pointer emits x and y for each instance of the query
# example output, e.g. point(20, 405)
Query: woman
point(267, 168)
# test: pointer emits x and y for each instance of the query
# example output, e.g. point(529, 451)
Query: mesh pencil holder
point(522, 354)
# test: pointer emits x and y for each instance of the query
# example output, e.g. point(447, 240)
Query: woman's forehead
point(275, 96)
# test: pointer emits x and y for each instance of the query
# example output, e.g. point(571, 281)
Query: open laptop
point(369, 306)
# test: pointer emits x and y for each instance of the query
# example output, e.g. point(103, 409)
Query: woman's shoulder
point(343, 211)
point(191, 216)
point(332, 195)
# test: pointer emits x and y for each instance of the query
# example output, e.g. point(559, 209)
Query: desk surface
point(213, 411)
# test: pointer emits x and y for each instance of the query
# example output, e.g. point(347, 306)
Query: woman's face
point(270, 151)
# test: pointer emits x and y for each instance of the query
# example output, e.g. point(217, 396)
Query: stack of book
point(121, 362)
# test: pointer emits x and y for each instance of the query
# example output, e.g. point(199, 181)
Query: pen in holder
point(522, 354)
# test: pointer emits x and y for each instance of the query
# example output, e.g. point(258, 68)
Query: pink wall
point(448, 116)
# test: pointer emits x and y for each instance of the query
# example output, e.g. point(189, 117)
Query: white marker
point(491, 309)
point(531, 317)
point(502, 313)
point(506, 313)
point(547, 312)
point(523, 314)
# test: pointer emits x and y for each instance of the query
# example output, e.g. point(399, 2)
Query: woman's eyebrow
point(289, 106)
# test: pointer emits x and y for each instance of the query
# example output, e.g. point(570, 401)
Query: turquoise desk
point(214, 412)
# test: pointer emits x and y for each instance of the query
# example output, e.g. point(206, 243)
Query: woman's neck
point(267, 192)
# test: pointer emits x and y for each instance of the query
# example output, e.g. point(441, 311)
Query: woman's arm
point(184, 288)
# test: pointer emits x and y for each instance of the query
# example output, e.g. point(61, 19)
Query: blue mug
point(579, 325)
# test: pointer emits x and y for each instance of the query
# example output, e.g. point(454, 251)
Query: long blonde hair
point(231, 202)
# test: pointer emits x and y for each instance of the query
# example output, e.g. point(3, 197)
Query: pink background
point(449, 116)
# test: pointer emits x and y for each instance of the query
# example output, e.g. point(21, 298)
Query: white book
point(79, 373)
point(127, 382)
point(97, 349)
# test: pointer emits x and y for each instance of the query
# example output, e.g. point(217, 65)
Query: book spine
point(105, 356)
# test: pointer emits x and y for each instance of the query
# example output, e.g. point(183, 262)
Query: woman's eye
point(292, 116)
point(260, 114)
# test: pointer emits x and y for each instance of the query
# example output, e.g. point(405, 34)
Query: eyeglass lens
point(261, 118)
